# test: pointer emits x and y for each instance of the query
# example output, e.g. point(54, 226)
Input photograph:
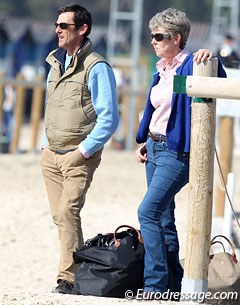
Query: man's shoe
point(63, 287)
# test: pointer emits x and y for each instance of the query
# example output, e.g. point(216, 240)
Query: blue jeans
point(7, 125)
point(167, 172)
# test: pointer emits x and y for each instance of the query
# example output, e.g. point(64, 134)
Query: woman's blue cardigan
point(179, 124)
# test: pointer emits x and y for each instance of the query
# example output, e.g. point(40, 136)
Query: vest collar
point(59, 54)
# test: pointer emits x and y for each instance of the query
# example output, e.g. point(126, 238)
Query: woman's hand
point(141, 154)
point(201, 55)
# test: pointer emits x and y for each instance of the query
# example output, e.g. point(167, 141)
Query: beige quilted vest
point(69, 115)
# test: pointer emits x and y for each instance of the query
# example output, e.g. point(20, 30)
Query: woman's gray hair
point(174, 22)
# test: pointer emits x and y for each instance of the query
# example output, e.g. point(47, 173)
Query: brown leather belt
point(161, 138)
point(157, 137)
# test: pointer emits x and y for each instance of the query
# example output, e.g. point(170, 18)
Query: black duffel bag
point(110, 264)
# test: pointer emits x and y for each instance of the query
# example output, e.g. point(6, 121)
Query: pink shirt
point(161, 94)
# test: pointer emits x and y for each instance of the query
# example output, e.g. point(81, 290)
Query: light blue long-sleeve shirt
point(102, 86)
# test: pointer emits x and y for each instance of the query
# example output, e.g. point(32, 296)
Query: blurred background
point(27, 32)
point(120, 33)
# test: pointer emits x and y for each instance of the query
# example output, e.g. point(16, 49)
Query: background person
point(6, 126)
point(81, 115)
point(227, 54)
point(165, 127)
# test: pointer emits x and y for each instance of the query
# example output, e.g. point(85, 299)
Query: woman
point(165, 133)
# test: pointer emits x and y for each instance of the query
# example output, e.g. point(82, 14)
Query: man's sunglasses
point(63, 25)
point(160, 36)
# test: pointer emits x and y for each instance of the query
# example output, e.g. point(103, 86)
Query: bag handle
point(233, 255)
point(117, 242)
point(218, 242)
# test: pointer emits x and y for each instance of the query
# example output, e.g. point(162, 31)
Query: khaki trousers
point(67, 179)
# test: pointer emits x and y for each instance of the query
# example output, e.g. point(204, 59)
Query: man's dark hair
point(81, 16)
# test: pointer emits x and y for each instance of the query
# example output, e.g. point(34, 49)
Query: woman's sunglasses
point(63, 25)
point(160, 36)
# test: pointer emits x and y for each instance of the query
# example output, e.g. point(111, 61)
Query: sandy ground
point(28, 239)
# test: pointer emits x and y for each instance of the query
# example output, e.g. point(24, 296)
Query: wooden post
point(228, 215)
point(36, 111)
point(18, 114)
point(125, 114)
point(200, 187)
point(225, 158)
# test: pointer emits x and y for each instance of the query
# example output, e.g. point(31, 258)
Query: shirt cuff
point(83, 151)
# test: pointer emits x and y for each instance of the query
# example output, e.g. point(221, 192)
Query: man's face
point(68, 39)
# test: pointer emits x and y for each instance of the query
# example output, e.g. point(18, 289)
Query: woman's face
point(167, 48)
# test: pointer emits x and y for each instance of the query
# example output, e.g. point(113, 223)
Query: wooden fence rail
point(21, 86)
point(204, 86)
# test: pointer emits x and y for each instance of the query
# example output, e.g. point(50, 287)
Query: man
point(81, 115)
